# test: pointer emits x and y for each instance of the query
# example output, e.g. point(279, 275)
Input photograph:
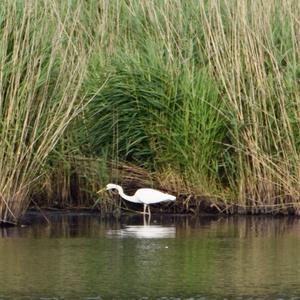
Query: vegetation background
point(198, 98)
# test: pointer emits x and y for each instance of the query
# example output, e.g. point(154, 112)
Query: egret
point(144, 196)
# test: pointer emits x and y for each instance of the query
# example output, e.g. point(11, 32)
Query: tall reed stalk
point(42, 69)
point(253, 51)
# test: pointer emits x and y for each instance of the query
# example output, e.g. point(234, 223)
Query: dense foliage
point(199, 97)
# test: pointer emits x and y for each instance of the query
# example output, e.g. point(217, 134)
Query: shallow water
point(82, 256)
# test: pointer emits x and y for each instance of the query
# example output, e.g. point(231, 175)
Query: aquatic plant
point(254, 55)
point(200, 97)
point(206, 92)
point(42, 68)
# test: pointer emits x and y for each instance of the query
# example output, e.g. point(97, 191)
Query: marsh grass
point(160, 109)
point(206, 95)
point(42, 67)
point(203, 96)
point(255, 57)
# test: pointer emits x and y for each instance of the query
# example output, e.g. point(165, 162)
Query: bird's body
point(151, 196)
point(144, 196)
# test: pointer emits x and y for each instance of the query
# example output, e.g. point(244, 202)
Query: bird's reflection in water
point(145, 231)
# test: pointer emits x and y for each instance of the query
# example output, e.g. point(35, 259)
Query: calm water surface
point(84, 256)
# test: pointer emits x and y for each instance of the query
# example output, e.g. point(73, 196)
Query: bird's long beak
point(101, 190)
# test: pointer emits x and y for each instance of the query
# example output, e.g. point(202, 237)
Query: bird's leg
point(149, 219)
point(145, 206)
point(149, 211)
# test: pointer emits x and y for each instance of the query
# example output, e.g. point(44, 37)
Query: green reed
point(42, 67)
point(205, 95)
point(202, 95)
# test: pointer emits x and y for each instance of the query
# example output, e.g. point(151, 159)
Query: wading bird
point(144, 196)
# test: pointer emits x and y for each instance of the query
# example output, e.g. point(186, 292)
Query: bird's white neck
point(126, 197)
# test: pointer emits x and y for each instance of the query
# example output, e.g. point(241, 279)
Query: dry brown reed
point(202, 100)
point(43, 67)
point(253, 51)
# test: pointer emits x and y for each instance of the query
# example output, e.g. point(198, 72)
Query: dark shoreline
point(42, 215)
point(36, 216)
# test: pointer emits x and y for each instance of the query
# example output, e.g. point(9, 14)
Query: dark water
point(86, 257)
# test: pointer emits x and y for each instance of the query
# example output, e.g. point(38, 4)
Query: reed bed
point(255, 57)
point(199, 98)
point(42, 68)
point(205, 95)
